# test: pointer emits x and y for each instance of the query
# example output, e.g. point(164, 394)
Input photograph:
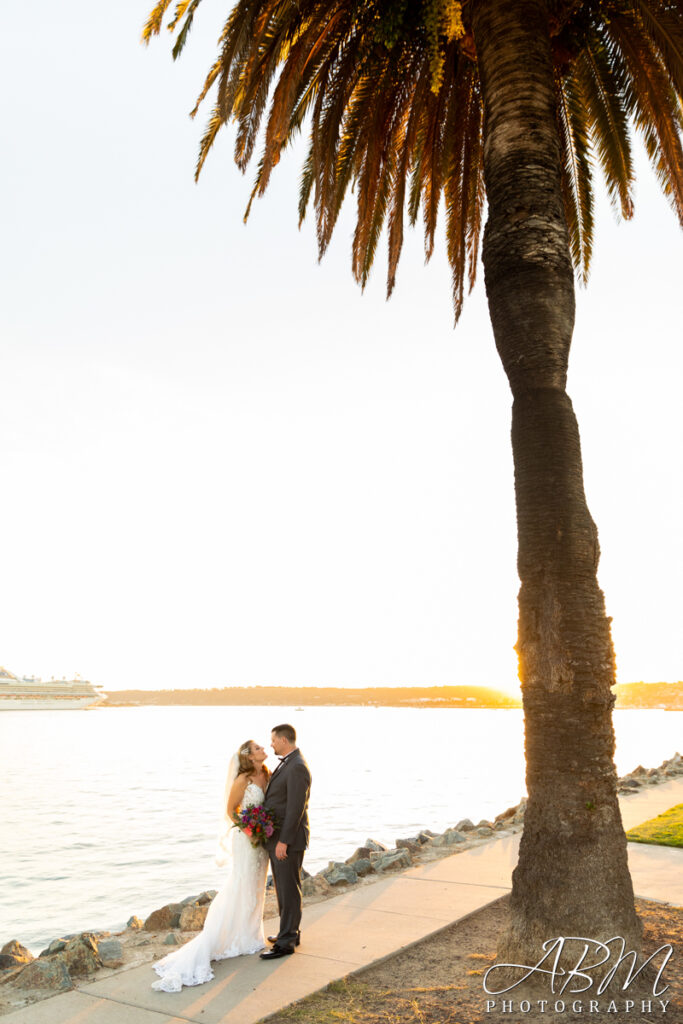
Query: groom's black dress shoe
point(297, 941)
point(277, 951)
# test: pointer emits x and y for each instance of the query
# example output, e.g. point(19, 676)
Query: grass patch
point(664, 830)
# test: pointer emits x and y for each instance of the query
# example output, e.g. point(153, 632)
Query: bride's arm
point(236, 794)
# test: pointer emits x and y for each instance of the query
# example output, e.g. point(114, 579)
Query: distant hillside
point(650, 695)
point(629, 695)
point(309, 696)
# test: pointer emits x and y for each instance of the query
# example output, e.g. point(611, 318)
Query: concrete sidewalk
point(348, 932)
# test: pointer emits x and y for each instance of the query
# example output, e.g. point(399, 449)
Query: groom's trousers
point(287, 881)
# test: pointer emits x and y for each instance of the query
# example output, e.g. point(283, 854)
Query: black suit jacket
point(287, 797)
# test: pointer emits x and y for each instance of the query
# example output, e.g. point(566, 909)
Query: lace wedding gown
point(234, 923)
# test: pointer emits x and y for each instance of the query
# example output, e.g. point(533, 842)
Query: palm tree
point(510, 103)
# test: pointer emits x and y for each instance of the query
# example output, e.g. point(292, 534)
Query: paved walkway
point(348, 932)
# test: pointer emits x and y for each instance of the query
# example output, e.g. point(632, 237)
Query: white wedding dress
point(234, 923)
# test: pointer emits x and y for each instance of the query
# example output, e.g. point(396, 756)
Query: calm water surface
point(113, 812)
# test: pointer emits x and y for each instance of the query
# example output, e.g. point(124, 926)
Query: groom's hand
point(281, 851)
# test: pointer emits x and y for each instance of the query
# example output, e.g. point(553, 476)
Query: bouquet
point(258, 823)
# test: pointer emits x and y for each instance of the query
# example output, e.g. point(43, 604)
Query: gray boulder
point(308, 887)
point(363, 866)
point(56, 946)
point(392, 861)
point(412, 844)
point(465, 825)
point(48, 975)
point(171, 939)
point(451, 837)
point(204, 897)
point(362, 853)
point(80, 955)
point(426, 836)
point(484, 830)
point(340, 874)
point(111, 953)
point(372, 844)
point(316, 886)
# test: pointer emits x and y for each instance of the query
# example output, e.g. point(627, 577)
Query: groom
point(287, 797)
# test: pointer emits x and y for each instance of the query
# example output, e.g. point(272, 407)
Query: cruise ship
point(26, 693)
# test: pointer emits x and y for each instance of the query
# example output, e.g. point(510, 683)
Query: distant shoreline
point(636, 696)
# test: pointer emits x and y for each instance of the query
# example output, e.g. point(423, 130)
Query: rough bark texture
point(572, 877)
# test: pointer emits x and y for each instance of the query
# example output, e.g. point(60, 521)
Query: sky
point(222, 464)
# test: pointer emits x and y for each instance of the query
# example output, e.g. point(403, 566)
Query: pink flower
point(269, 830)
point(247, 830)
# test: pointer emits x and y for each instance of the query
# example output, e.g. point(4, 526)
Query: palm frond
point(602, 92)
point(463, 173)
point(214, 125)
point(373, 176)
point(214, 72)
point(475, 192)
point(303, 58)
point(340, 121)
point(576, 174)
point(392, 100)
point(419, 85)
point(664, 25)
point(180, 8)
point(190, 6)
point(270, 49)
point(432, 161)
point(152, 26)
point(306, 185)
point(653, 104)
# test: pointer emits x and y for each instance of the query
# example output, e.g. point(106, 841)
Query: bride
point(234, 922)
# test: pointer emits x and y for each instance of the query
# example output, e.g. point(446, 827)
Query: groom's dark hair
point(288, 732)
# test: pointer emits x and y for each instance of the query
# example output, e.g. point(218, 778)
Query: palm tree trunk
point(572, 878)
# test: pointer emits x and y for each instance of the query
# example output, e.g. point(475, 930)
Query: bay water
point(114, 811)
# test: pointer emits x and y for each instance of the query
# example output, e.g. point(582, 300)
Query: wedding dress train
point(234, 922)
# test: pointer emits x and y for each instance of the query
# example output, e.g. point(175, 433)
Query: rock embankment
point(639, 777)
point(375, 859)
point(67, 960)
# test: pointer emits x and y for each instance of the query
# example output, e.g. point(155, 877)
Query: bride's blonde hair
point(244, 765)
